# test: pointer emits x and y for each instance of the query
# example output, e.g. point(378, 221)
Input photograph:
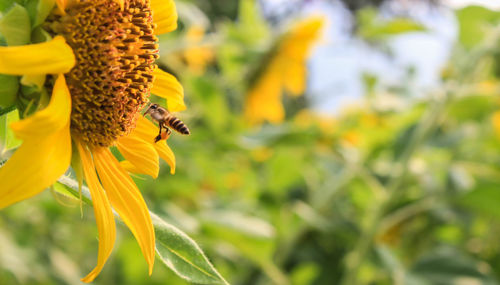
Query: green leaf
point(39, 10)
point(9, 85)
point(69, 186)
point(8, 140)
point(181, 254)
point(15, 26)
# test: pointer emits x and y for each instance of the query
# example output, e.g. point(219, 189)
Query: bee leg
point(166, 134)
point(159, 136)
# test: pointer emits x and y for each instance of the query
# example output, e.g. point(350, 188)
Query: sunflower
point(286, 70)
point(99, 66)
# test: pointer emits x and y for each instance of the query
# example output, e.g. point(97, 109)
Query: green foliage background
point(399, 191)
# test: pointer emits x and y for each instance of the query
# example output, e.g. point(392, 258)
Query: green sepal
point(15, 26)
point(39, 10)
point(34, 80)
point(40, 35)
point(9, 85)
point(8, 140)
point(32, 100)
point(76, 165)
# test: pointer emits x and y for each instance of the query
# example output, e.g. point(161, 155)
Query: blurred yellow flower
point(487, 87)
point(286, 69)
point(496, 123)
point(352, 138)
point(197, 56)
point(262, 154)
point(100, 66)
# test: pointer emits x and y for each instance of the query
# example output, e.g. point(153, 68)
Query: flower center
point(115, 51)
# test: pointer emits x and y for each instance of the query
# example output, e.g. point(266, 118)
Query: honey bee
point(166, 120)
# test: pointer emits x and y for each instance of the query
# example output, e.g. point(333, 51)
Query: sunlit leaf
point(181, 254)
point(474, 22)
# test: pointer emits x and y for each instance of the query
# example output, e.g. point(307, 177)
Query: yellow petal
point(164, 16)
point(264, 100)
point(51, 57)
point(45, 153)
point(130, 167)
point(49, 120)
point(147, 131)
point(496, 122)
point(36, 165)
point(294, 79)
point(140, 154)
point(166, 154)
point(168, 87)
point(127, 201)
point(102, 211)
point(61, 4)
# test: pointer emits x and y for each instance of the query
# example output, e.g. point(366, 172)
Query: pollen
point(115, 50)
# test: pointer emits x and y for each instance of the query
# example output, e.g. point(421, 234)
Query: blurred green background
point(379, 193)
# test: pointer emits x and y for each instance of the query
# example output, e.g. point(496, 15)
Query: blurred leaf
point(285, 169)
point(181, 254)
point(9, 85)
point(252, 26)
point(446, 266)
point(484, 199)
point(472, 108)
point(371, 27)
point(257, 249)
point(248, 225)
point(473, 21)
point(15, 26)
point(5, 5)
point(305, 274)
point(215, 111)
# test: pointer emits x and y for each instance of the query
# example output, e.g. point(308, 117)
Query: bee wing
point(163, 111)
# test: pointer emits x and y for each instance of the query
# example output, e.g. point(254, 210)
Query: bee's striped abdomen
point(177, 125)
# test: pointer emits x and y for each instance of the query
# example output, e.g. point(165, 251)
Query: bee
point(165, 120)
